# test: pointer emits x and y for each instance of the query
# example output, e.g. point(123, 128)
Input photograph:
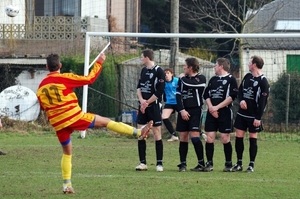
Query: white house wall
point(275, 61)
point(93, 8)
point(25, 79)
point(90, 8)
point(118, 9)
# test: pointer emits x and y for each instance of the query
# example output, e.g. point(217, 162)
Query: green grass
point(103, 167)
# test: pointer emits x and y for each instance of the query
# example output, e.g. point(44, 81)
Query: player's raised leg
point(122, 128)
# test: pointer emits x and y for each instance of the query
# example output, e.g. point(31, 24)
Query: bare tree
point(228, 16)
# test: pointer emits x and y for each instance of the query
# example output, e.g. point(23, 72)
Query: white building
point(279, 54)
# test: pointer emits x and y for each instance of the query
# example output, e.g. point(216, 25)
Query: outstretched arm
point(73, 80)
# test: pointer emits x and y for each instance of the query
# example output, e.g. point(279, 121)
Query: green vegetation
point(203, 54)
point(8, 76)
point(279, 98)
point(103, 167)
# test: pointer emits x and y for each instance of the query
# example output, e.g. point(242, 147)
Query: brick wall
point(38, 47)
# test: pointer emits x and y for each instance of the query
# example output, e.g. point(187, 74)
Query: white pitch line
point(201, 178)
point(74, 146)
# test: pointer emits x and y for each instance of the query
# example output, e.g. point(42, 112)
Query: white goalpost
point(89, 35)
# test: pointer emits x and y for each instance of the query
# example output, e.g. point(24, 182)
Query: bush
point(278, 98)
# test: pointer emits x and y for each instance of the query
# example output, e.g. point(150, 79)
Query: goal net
point(279, 51)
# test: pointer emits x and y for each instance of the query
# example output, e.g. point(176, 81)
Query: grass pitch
point(104, 167)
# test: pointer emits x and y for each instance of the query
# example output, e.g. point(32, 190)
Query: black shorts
point(152, 112)
point(223, 123)
point(171, 106)
point(193, 124)
point(244, 123)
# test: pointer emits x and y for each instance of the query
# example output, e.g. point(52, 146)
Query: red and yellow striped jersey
point(57, 98)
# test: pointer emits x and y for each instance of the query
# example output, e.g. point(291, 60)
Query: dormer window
point(287, 25)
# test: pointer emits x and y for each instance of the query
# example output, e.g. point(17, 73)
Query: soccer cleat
point(208, 167)
point(145, 130)
point(68, 190)
point(2, 153)
point(237, 167)
point(228, 167)
point(198, 168)
point(250, 169)
point(204, 136)
point(159, 168)
point(173, 138)
point(141, 167)
point(182, 167)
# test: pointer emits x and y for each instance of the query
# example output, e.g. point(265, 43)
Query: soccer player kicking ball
point(57, 98)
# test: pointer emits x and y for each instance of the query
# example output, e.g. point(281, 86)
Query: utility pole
point(287, 102)
point(174, 42)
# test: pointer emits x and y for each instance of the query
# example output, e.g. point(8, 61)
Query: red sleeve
point(72, 80)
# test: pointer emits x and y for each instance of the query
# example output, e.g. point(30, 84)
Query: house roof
point(268, 19)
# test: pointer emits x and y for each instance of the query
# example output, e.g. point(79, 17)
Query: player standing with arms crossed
point(219, 94)
point(189, 96)
point(57, 98)
point(253, 95)
point(150, 89)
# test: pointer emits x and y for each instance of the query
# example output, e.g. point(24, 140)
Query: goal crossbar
point(193, 35)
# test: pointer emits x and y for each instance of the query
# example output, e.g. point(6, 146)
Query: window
point(287, 25)
point(57, 8)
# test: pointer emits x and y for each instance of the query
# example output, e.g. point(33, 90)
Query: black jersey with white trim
point(255, 92)
point(189, 92)
point(221, 87)
point(152, 82)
